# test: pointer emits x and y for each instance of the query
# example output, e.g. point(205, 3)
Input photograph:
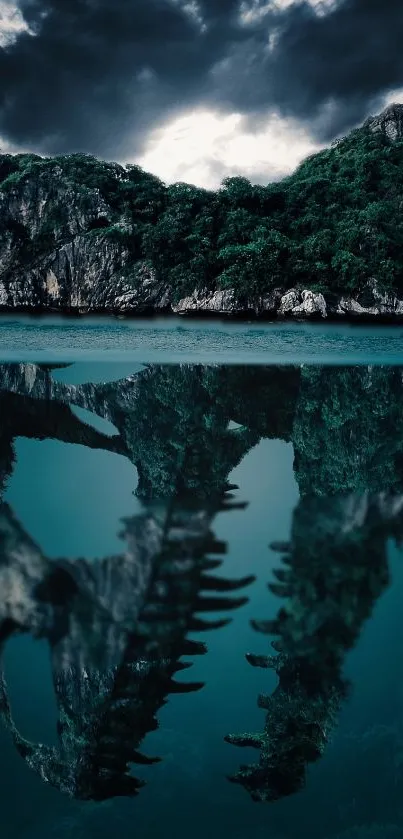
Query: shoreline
point(241, 317)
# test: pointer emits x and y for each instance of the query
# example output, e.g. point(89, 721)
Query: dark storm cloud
point(331, 69)
point(99, 74)
point(94, 69)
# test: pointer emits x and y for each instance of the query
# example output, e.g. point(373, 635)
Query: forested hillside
point(331, 226)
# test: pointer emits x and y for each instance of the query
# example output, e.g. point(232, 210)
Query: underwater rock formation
point(299, 721)
point(345, 423)
point(336, 568)
point(348, 430)
point(173, 420)
point(174, 425)
point(117, 628)
point(117, 631)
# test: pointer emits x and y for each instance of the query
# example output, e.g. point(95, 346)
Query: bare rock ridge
point(390, 122)
point(295, 303)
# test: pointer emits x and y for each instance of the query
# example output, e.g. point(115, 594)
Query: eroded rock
point(306, 303)
point(221, 301)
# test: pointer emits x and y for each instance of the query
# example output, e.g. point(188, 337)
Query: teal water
point(177, 340)
point(316, 454)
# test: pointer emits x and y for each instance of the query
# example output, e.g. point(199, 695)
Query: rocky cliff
point(54, 253)
point(389, 122)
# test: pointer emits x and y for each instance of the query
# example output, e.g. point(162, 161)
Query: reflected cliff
point(118, 628)
point(117, 631)
point(333, 571)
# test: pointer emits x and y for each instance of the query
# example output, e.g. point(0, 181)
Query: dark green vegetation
point(332, 225)
point(342, 433)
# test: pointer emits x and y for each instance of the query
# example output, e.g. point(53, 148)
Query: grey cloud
point(330, 70)
point(80, 82)
point(100, 74)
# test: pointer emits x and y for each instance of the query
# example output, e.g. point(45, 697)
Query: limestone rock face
point(389, 122)
point(222, 301)
point(305, 303)
point(143, 292)
point(46, 193)
point(289, 301)
point(77, 275)
point(371, 302)
point(311, 304)
point(54, 253)
point(87, 274)
point(226, 301)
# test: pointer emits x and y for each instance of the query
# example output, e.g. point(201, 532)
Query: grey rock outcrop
point(278, 302)
point(87, 274)
point(217, 302)
point(389, 122)
point(371, 302)
point(64, 246)
point(269, 303)
point(304, 303)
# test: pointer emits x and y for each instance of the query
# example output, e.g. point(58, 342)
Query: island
point(80, 235)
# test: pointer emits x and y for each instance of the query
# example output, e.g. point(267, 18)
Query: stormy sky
point(195, 90)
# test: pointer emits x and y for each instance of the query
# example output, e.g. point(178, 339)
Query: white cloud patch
point(203, 147)
point(193, 11)
point(394, 96)
point(12, 23)
point(253, 11)
point(10, 148)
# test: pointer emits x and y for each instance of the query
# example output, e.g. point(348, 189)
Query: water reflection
point(118, 629)
point(335, 569)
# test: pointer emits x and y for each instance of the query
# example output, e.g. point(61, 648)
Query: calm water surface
point(141, 499)
point(177, 340)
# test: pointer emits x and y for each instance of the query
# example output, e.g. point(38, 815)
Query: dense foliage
point(332, 225)
point(348, 431)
